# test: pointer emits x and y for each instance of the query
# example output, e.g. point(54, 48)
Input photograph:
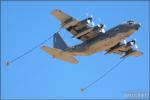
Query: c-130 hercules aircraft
point(93, 38)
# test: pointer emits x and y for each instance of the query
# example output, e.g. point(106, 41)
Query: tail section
point(58, 50)
point(59, 43)
point(57, 53)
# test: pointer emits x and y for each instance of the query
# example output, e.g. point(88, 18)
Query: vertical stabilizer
point(59, 43)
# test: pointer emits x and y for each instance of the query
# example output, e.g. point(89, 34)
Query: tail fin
point(59, 43)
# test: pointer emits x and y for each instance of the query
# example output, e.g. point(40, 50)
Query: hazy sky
point(39, 76)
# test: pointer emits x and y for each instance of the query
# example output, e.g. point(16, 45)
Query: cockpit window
point(130, 22)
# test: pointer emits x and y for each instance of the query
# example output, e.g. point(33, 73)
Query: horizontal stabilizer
point(57, 53)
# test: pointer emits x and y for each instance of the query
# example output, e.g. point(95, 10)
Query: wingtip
point(75, 61)
point(55, 10)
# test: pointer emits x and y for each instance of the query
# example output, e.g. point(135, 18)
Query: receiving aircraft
point(94, 38)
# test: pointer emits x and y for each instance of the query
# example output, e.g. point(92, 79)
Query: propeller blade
point(92, 23)
point(91, 16)
point(98, 25)
point(134, 39)
point(104, 26)
point(103, 30)
point(136, 46)
point(124, 41)
point(88, 15)
point(100, 21)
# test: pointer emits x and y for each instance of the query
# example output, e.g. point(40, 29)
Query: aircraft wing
point(75, 26)
point(126, 53)
point(136, 53)
point(61, 15)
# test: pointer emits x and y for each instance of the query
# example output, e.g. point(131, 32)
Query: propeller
point(90, 21)
point(135, 45)
point(89, 15)
point(124, 41)
point(103, 30)
point(132, 43)
point(101, 25)
point(100, 21)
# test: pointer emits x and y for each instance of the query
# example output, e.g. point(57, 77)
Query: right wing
point(75, 26)
point(124, 50)
point(130, 52)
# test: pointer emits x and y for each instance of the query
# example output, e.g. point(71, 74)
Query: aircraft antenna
point(102, 76)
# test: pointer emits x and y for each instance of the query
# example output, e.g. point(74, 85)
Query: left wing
point(79, 29)
point(63, 17)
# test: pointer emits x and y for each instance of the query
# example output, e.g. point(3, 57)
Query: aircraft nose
point(137, 26)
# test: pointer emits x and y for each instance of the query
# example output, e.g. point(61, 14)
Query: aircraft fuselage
point(104, 41)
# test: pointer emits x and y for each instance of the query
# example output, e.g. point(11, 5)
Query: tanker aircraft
point(94, 38)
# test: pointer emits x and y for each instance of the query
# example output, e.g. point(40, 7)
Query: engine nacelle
point(98, 27)
point(86, 31)
point(86, 21)
point(131, 43)
point(124, 47)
